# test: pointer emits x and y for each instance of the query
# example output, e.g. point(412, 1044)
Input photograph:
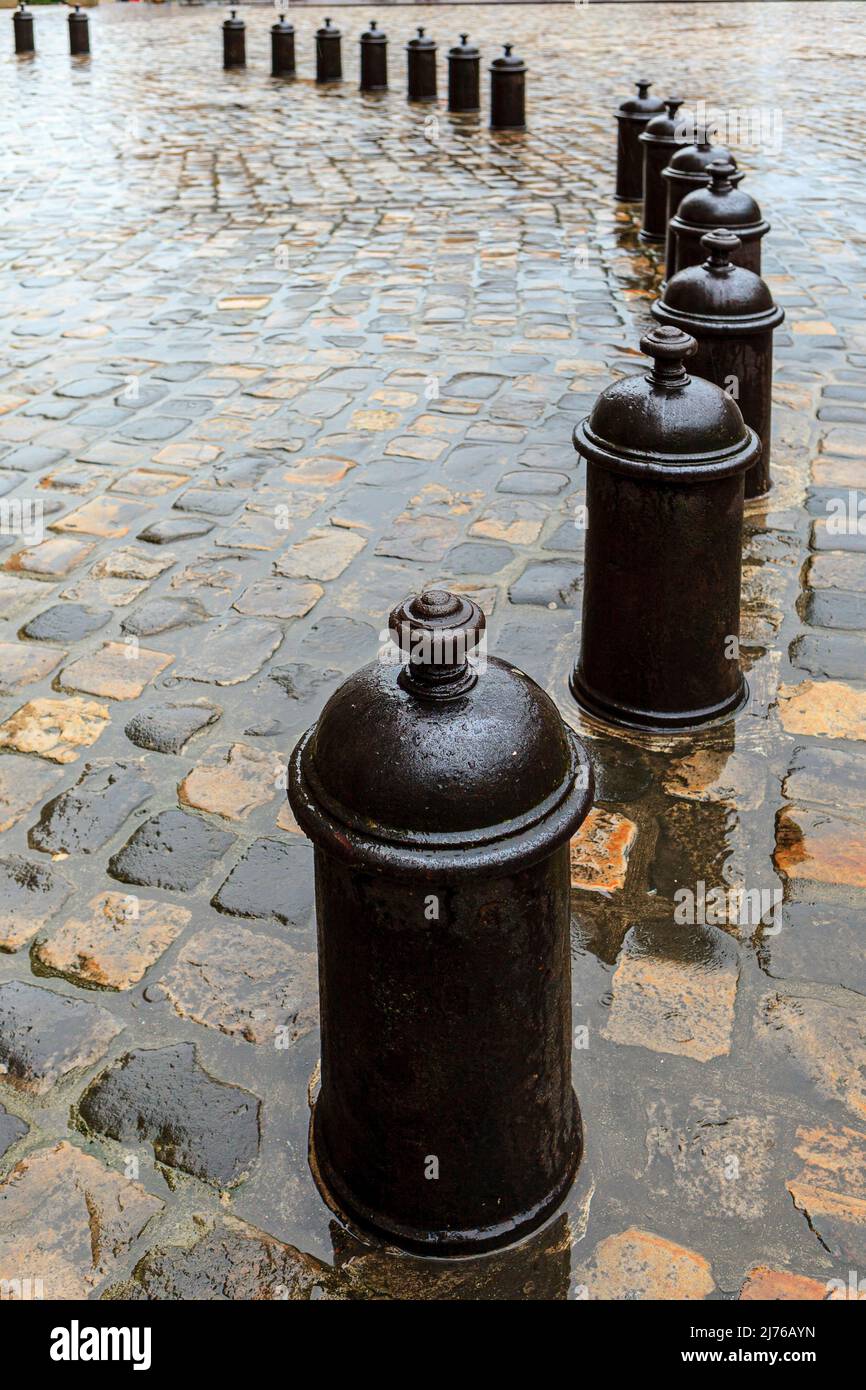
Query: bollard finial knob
point(720, 245)
point(437, 630)
point(668, 346)
point(464, 38)
point(720, 172)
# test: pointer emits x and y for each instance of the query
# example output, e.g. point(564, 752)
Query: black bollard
point(374, 59)
point(719, 204)
point(730, 313)
point(631, 120)
point(282, 48)
point(329, 57)
point(686, 172)
point(464, 76)
point(663, 135)
point(421, 68)
point(22, 24)
point(79, 33)
point(234, 42)
point(441, 799)
point(666, 453)
point(508, 92)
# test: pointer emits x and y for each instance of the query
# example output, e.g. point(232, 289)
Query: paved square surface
point(274, 357)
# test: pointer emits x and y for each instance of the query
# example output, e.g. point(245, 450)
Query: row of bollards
point(441, 793)
point(507, 73)
point(79, 32)
point(712, 232)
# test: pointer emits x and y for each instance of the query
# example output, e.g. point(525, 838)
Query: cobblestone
point(274, 357)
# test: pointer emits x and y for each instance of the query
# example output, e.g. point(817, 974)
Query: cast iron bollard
point(374, 60)
point(79, 33)
point(686, 172)
point(234, 42)
point(666, 454)
point(329, 56)
point(464, 86)
point(718, 204)
point(731, 314)
point(22, 24)
point(631, 120)
point(658, 142)
point(282, 48)
point(441, 800)
point(508, 92)
point(421, 68)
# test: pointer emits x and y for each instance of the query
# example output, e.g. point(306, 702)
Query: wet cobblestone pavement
point(275, 357)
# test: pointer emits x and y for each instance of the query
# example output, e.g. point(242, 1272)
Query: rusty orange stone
point(775, 1284)
point(820, 848)
point(600, 851)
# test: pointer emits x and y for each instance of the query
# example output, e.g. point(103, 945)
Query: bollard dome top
point(328, 31)
point(440, 760)
point(374, 34)
point(508, 60)
point(464, 49)
point(643, 105)
point(695, 159)
point(719, 203)
point(663, 129)
point(282, 27)
point(421, 40)
point(718, 297)
point(665, 422)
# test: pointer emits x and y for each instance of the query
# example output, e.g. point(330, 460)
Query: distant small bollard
point(282, 48)
point(374, 59)
point(730, 313)
point(719, 204)
point(329, 54)
point(421, 68)
point(659, 141)
point(441, 790)
point(631, 120)
point(79, 33)
point(234, 42)
point(22, 24)
point(464, 76)
point(666, 456)
point(508, 91)
point(687, 171)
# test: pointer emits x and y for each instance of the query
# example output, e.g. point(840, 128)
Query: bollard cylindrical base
point(508, 92)
point(79, 34)
point(282, 49)
point(374, 60)
point(464, 77)
point(329, 54)
point(22, 24)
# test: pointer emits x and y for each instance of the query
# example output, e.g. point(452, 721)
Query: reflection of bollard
point(441, 799)
point(234, 42)
point(329, 57)
point(22, 24)
point(631, 120)
point(731, 314)
point(464, 86)
point(374, 60)
point(666, 454)
point(282, 48)
point(79, 33)
point(508, 92)
point(661, 138)
point(421, 68)
point(719, 204)
point(686, 172)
